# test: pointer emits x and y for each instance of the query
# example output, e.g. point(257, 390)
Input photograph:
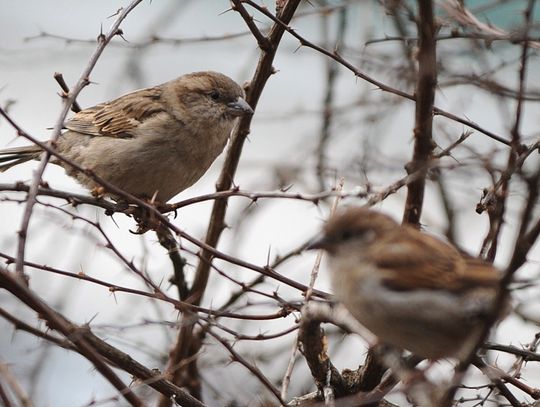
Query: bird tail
point(13, 156)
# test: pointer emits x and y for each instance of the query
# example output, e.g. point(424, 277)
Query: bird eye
point(215, 95)
point(346, 235)
point(365, 236)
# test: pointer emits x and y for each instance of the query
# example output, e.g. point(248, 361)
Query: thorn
point(232, 8)
point(286, 188)
point(120, 33)
point(101, 37)
point(268, 256)
point(87, 324)
point(117, 12)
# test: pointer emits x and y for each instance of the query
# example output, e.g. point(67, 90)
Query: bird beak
point(318, 242)
point(240, 107)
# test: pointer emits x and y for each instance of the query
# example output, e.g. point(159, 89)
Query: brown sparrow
point(412, 290)
point(153, 142)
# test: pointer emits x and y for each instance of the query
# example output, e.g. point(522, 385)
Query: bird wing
point(119, 117)
point(414, 260)
point(480, 272)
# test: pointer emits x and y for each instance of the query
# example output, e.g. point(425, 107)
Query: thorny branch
point(14, 285)
point(70, 98)
point(335, 56)
point(182, 349)
point(83, 341)
point(529, 235)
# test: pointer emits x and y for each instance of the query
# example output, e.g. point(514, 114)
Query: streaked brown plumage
point(152, 142)
point(410, 289)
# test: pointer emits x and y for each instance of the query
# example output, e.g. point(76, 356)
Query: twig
point(425, 97)
point(313, 278)
point(485, 31)
point(525, 354)
point(55, 321)
point(250, 366)
point(167, 240)
point(112, 207)
point(262, 74)
point(68, 101)
point(6, 376)
point(311, 336)
point(350, 66)
point(496, 376)
point(65, 88)
point(152, 40)
point(4, 397)
point(525, 240)
point(182, 306)
point(94, 348)
point(332, 73)
point(262, 40)
point(209, 250)
point(493, 199)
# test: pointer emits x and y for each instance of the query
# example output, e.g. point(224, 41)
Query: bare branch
point(425, 97)
point(68, 102)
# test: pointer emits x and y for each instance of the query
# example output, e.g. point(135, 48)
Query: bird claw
point(145, 218)
point(141, 229)
point(98, 192)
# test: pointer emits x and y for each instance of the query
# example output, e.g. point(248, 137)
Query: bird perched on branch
point(153, 142)
point(412, 290)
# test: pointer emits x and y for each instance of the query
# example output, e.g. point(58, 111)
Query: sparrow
point(152, 143)
point(410, 289)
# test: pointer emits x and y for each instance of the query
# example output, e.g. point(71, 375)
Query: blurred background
point(315, 123)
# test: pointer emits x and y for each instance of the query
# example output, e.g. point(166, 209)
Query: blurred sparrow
point(410, 289)
point(153, 142)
